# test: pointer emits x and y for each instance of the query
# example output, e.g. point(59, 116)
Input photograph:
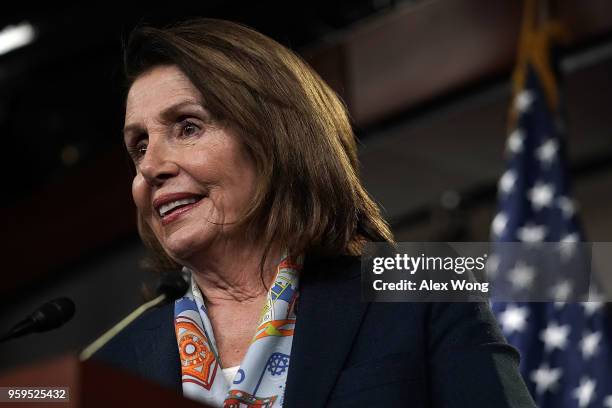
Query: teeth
point(166, 208)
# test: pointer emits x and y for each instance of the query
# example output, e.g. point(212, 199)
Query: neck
point(231, 274)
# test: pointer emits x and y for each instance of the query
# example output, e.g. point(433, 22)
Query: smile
point(171, 206)
point(167, 208)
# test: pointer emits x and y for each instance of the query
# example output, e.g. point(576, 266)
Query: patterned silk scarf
point(261, 379)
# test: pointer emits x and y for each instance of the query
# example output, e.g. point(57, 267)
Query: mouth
point(171, 206)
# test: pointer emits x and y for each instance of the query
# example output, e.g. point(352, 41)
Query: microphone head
point(53, 314)
point(172, 284)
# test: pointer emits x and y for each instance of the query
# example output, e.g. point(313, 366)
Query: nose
point(158, 165)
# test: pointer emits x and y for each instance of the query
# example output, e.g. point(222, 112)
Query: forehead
point(158, 88)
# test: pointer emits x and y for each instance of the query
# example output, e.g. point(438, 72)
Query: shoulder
point(404, 349)
point(146, 347)
point(436, 328)
point(150, 320)
point(331, 268)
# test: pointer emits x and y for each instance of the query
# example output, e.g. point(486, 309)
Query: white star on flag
point(513, 319)
point(589, 345)
point(567, 246)
point(555, 336)
point(499, 223)
point(567, 205)
point(593, 305)
point(531, 233)
point(584, 392)
point(521, 276)
point(547, 152)
point(541, 195)
point(506, 182)
point(515, 141)
point(608, 401)
point(523, 100)
point(546, 378)
point(561, 291)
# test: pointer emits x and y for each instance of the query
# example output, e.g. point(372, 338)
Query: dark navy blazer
point(351, 353)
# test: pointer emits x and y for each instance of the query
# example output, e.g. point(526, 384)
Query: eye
point(138, 150)
point(188, 128)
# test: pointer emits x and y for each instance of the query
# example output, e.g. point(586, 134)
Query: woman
point(247, 177)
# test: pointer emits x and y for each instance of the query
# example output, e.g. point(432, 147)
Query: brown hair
point(309, 197)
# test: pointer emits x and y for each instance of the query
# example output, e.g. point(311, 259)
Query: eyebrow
point(165, 115)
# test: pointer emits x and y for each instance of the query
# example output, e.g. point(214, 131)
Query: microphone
point(172, 285)
point(49, 316)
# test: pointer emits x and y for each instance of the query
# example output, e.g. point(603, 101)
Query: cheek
point(248, 180)
point(240, 197)
point(244, 173)
point(140, 193)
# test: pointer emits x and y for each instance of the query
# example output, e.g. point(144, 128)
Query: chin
point(183, 245)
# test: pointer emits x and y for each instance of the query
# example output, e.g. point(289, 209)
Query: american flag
point(566, 359)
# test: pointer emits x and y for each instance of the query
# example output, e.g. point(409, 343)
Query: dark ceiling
point(61, 96)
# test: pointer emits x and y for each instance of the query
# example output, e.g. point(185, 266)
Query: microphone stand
point(113, 331)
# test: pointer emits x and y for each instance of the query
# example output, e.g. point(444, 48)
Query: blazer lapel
point(329, 314)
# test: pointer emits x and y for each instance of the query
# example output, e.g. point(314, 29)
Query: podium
point(90, 384)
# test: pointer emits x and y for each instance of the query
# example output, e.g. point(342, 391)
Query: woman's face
point(192, 176)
